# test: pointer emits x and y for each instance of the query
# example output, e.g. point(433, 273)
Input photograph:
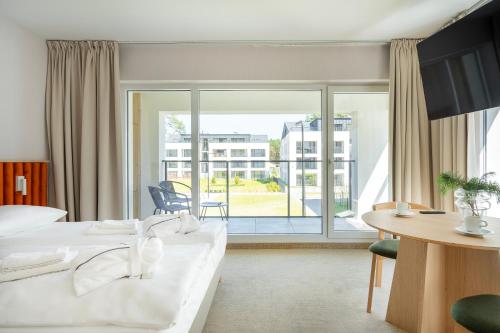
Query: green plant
point(213, 180)
point(448, 181)
point(273, 187)
point(236, 180)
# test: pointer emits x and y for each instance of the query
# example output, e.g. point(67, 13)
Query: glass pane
point(254, 143)
point(161, 134)
point(492, 149)
point(360, 156)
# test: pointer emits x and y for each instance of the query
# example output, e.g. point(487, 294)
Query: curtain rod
point(466, 12)
point(261, 42)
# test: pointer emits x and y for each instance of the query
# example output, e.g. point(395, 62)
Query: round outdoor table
point(435, 267)
point(213, 204)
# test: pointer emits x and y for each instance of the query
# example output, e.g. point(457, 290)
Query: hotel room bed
point(190, 272)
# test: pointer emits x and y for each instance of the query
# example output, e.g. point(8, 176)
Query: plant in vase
point(471, 195)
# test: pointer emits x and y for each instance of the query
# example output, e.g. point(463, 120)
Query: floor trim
point(256, 246)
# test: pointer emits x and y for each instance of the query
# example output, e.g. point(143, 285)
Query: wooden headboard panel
point(36, 176)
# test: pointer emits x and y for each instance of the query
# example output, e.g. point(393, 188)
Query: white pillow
point(17, 218)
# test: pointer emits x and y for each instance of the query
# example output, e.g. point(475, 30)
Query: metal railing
point(283, 181)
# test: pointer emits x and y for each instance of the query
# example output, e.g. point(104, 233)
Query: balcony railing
point(301, 190)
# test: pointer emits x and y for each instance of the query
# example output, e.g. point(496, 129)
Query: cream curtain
point(420, 150)
point(84, 128)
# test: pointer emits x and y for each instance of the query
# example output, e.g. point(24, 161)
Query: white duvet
point(50, 300)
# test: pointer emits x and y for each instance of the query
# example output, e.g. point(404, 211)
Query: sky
point(269, 124)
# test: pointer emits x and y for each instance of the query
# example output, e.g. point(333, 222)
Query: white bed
point(190, 316)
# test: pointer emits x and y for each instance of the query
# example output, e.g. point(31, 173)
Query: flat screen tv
point(460, 64)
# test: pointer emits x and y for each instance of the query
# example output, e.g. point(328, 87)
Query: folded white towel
point(118, 224)
point(40, 270)
point(164, 225)
point(20, 261)
point(101, 266)
point(113, 228)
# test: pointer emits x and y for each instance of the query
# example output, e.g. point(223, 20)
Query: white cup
point(474, 224)
point(402, 207)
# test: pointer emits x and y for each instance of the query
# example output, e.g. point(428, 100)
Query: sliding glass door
point(257, 156)
point(358, 155)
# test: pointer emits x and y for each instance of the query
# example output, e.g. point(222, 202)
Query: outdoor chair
point(171, 196)
point(161, 205)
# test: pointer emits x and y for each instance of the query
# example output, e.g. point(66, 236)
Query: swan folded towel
point(114, 227)
point(104, 265)
point(18, 266)
point(164, 225)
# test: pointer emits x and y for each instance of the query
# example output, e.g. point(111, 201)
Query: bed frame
point(201, 316)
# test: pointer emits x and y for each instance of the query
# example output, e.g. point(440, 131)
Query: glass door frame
point(328, 233)
point(331, 90)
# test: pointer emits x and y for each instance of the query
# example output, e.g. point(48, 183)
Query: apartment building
point(243, 155)
point(309, 132)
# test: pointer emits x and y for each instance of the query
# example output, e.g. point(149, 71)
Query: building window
point(238, 164)
point(237, 139)
point(172, 165)
point(171, 153)
point(258, 175)
point(186, 164)
point(204, 156)
point(258, 153)
point(219, 152)
point(238, 153)
point(204, 145)
point(171, 175)
point(186, 153)
point(338, 165)
point(239, 174)
point(187, 140)
point(309, 163)
point(204, 167)
point(222, 140)
point(309, 147)
point(338, 180)
point(219, 165)
point(186, 174)
point(220, 174)
point(310, 179)
point(258, 164)
point(338, 147)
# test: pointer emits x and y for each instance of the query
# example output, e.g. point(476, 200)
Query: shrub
point(236, 180)
point(213, 180)
point(273, 187)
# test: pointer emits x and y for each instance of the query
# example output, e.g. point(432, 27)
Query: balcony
point(269, 201)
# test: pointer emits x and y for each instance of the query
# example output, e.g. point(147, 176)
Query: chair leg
point(378, 280)
point(372, 278)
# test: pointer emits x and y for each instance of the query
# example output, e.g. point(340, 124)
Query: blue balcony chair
point(172, 196)
point(161, 205)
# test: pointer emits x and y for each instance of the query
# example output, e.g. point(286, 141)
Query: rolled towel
point(113, 228)
point(20, 261)
point(102, 266)
point(63, 265)
point(164, 225)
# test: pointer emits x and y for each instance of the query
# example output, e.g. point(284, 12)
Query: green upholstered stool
point(386, 248)
point(479, 314)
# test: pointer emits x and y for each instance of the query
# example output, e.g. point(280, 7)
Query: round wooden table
point(435, 267)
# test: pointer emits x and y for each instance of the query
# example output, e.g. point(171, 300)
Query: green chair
point(478, 314)
point(383, 248)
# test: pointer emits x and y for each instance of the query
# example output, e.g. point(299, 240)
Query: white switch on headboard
point(21, 185)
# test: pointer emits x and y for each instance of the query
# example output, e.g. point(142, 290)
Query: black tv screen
point(460, 65)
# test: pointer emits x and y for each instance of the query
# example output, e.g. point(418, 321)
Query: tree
point(274, 149)
point(313, 116)
point(176, 125)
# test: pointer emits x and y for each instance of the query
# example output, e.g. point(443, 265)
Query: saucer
point(408, 213)
point(461, 230)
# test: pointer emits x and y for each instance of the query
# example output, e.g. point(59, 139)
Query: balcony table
point(435, 267)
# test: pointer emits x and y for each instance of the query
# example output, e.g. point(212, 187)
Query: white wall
point(23, 61)
point(368, 62)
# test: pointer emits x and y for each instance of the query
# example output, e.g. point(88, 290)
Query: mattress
point(187, 313)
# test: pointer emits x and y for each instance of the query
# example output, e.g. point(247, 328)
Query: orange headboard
point(35, 174)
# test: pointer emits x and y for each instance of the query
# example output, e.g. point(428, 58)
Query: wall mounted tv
point(460, 64)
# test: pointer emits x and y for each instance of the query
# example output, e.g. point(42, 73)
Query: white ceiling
point(232, 20)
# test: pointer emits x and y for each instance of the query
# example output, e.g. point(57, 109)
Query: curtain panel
point(84, 128)
point(419, 149)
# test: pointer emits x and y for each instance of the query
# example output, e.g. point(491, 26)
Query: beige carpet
point(320, 290)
